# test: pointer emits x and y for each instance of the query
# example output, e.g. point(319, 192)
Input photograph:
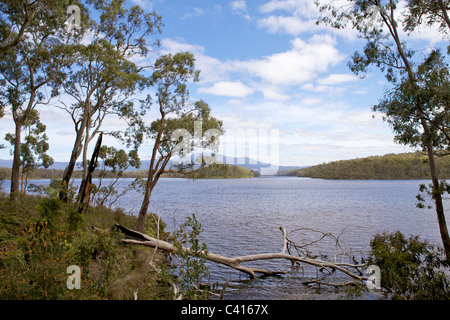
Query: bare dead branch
point(138, 238)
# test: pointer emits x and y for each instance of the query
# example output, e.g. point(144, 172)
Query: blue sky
point(267, 67)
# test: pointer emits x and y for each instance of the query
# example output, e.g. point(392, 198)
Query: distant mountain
point(245, 162)
point(5, 163)
point(290, 170)
point(56, 165)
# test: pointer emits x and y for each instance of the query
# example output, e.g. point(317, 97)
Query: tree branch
point(135, 237)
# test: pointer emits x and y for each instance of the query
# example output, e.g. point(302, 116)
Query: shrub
point(40, 237)
point(191, 267)
point(33, 267)
point(411, 269)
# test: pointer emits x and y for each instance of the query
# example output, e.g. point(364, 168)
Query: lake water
point(243, 216)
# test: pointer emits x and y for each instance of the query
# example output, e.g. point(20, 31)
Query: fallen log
point(138, 238)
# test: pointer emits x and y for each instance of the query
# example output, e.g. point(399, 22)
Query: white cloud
point(300, 64)
point(306, 8)
point(211, 69)
point(173, 46)
point(196, 12)
point(271, 75)
point(336, 79)
point(301, 17)
point(240, 7)
point(272, 92)
point(310, 101)
point(148, 5)
point(234, 89)
point(314, 130)
point(287, 24)
point(313, 88)
point(333, 84)
point(336, 128)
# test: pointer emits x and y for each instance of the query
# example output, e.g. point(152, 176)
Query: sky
point(271, 74)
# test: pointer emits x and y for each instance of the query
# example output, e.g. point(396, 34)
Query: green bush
point(191, 267)
point(411, 269)
point(49, 210)
point(40, 237)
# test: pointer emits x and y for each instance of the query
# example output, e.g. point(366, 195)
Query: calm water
point(243, 216)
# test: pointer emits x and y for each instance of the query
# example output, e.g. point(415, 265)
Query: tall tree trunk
point(140, 225)
point(22, 184)
point(437, 196)
point(152, 176)
point(445, 16)
point(76, 151)
point(19, 119)
point(152, 179)
point(436, 192)
point(392, 25)
point(68, 172)
point(87, 138)
point(86, 183)
point(15, 173)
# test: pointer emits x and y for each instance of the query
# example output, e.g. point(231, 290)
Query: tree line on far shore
point(387, 167)
point(210, 172)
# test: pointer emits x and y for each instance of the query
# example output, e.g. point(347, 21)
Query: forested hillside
point(390, 166)
point(207, 172)
point(223, 171)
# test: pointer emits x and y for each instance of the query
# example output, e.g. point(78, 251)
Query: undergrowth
point(41, 236)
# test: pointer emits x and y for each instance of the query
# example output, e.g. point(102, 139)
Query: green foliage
point(225, 171)
point(390, 166)
point(104, 79)
point(427, 11)
point(191, 266)
point(19, 18)
point(97, 255)
point(35, 147)
point(114, 164)
point(40, 237)
point(409, 104)
point(33, 151)
point(49, 210)
point(417, 106)
point(170, 77)
point(75, 219)
point(33, 69)
point(410, 268)
point(428, 192)
point(33, 268)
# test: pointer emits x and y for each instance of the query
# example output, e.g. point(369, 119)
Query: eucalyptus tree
point(105, 79)
point(432, 92)
point(174, 129)
point(33, 151)
point(16, 15)
point(114, 165)
point(33, 69)
point(430, 12)
point(418, 115)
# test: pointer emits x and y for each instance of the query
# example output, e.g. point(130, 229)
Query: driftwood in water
point(138, 238)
